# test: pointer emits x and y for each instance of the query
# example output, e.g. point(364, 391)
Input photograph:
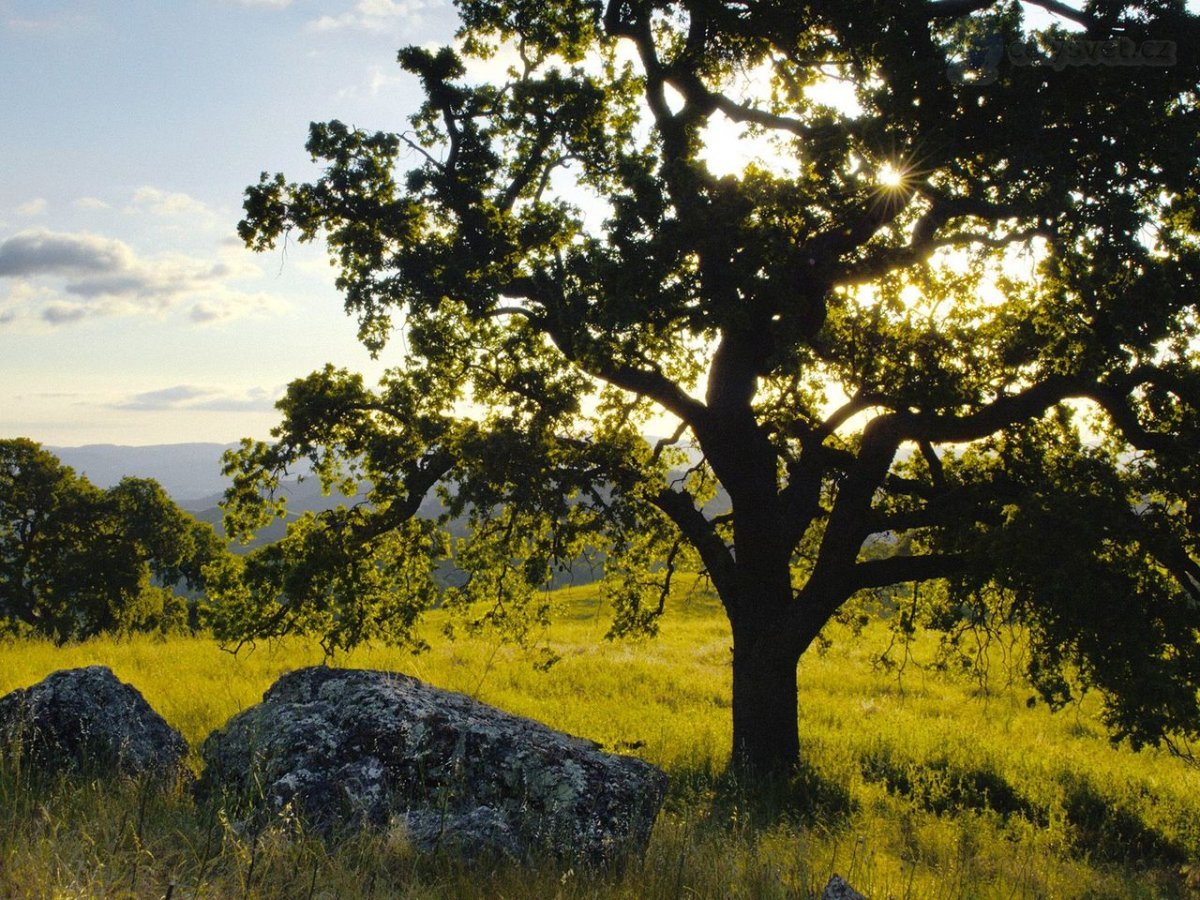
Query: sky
point(129, 311)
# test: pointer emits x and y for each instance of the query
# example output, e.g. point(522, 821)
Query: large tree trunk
point(766, 738)
point(757, 588)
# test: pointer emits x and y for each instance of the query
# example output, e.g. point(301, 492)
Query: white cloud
point(192, 397)
point(42, 252)
point(165, 398)
point(64, 313)
point(220, 306)
point(158, 202)
point(90, 203)
point(35, 207)
point(373, 15)
point(62, 277)
point(493, 69)
point(52, 22)
point(377, 81)
point(18, 297)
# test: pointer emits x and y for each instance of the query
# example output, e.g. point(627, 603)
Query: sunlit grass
point(916, 784)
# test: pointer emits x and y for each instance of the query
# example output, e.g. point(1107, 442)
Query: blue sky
point(129, 312)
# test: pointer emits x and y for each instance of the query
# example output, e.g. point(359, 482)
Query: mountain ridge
point(188, 472)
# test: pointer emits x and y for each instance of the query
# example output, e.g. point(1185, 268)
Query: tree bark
point(766, 722)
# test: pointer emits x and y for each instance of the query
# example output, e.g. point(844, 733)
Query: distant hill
point(188, 472)
point(191, 475)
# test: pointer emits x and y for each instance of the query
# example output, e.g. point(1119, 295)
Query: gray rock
point(838, 889)
point(87, 720)
point(481, 828)
point(344, 748)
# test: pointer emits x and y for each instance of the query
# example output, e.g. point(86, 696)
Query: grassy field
point(915, 783)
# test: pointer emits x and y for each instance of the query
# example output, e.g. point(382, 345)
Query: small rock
point(349, 748)
point(87, 720)
point(838, 889)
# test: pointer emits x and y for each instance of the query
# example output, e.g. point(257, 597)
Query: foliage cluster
point(76, 561)
point(916, 783)
point(957, 307)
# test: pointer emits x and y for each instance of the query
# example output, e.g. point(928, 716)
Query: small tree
point(76, 560)
point(958, 305)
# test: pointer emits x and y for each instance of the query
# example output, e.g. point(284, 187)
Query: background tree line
point(77, 560)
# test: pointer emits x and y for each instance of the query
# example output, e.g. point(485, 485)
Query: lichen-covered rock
point(838, 889)
point(480, 828)
point(343, 748)
point(87, 720)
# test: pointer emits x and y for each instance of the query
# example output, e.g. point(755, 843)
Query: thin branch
point(742, 113)
point(664, 443)
point(1116, 403)
point(909, 487)
point(936, 469)
point(860, 402)
point(596, 361)
point(413, 145)
point(681, 509)
point(1000, 413)
point(665, 592)
point(529, 168)
point(921, 246)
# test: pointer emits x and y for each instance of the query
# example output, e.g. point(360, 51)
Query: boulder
point(87, 720)
point(346, 748)
point(839, 889)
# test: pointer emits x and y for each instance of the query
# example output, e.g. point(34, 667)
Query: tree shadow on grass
point(1105, 831)
point(1101, 828)
point(808, 798)
point(945, 787)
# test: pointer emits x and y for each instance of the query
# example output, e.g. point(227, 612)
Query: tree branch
point(663, 443)
point(1067, 12)
point(850, 520)
point(923, 241)
point(595, 361)
point(936, 470)
point(1116, 403)
point(877, 573)
point(954, 9)
point(679, 507)
point(995, 416)
point(1032, 402)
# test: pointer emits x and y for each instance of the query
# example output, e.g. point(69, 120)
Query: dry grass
point(915, 786)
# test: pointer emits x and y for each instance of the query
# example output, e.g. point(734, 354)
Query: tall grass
point(917, 784)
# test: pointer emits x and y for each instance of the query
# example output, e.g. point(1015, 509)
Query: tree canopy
point(952, 307)
point(76, 560)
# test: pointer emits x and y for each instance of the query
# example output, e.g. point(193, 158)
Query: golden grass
point(915, 786)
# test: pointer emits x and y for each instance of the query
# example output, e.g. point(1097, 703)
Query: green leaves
point(76, 560)
point(326, 578)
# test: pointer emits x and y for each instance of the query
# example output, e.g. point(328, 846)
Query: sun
point(890, 176)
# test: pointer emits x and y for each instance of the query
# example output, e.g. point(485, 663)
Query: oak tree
point(948, 307)
point(76, 560)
